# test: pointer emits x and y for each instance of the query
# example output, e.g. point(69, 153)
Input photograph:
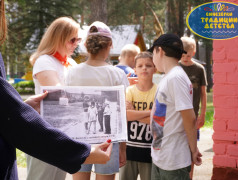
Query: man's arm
point(189, 123)
point(201, 117)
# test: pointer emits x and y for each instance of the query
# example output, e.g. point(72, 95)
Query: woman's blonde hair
point(3, 22)
point(57, 34)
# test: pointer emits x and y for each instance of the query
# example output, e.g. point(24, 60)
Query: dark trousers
point(100, 120)
point(107, 124)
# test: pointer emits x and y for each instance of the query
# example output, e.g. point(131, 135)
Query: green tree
point(27, 21)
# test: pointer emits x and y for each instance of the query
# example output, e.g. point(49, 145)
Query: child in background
point(196, 74)
point(173, 120)
point(126, 58)
point(140, 96)
point(96, 72)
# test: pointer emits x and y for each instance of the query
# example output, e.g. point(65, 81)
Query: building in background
point(121, 35)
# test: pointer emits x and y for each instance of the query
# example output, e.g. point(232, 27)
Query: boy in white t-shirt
point(173, 121)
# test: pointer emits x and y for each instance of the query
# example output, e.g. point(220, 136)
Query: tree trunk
point(188, 30)
point(180, 18)
point(174, 17)
point(197, 49)
point(98, 11)
point(208, 49)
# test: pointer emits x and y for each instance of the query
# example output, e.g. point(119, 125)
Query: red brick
point(228, 44)
point(236, 138)
point(232, 54)
point(229, 101)
point(232, 125)
point(224, 113)
point(219, 149)
point(219, 78)
point(222, 119)
point(223, 67)
point(232, 150)
point(219, 55)
point(224, 161)
point(219, 125)
point(218, 46)
point(223, 89)
point(232, 77)
point(224, 136)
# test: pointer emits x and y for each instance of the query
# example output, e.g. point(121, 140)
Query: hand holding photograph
point(87, 114)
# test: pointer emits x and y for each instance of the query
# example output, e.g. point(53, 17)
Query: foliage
point(121, 12)
point(27, 21)
point(25, 87)
point(210, 111)
point(21, 158)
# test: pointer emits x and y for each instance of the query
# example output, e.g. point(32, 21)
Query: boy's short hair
point(188, 43)
point(171, 45)
point(144, 54)
point(129, 49)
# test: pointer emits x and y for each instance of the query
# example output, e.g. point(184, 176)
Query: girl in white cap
point(97, 72)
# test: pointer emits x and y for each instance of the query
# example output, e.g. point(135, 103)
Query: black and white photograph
point(87, 114)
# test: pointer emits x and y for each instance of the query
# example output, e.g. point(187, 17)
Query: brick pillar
point(225, 100)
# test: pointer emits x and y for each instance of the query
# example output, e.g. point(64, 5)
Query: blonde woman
point(97, 72)
point(50, 63)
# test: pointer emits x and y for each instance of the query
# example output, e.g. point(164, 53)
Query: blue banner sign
point(214, 20)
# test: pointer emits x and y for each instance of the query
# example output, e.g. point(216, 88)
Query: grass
point(210, 111)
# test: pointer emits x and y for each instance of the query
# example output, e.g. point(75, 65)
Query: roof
point(121, 35)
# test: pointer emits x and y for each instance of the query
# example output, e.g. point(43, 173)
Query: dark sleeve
point(23, 127)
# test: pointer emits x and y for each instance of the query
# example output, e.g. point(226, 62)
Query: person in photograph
point(107, 118)
point(22, 127)
point(92, 117)
point(140, 99)
point(173, 121)
point(100, 108)
point(127, 59)
point(85, 111)
point(197, 76)
point(50, 63)
point(97, 72)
